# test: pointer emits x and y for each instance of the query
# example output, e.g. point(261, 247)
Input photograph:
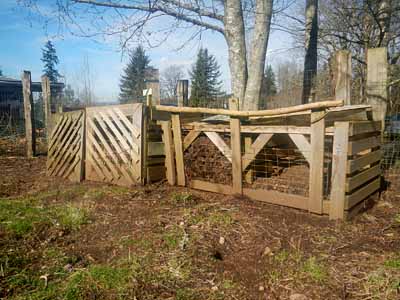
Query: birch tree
point(237, 21)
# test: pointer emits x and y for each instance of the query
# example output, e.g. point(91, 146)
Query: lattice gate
point(66, 146)
point(114, 143)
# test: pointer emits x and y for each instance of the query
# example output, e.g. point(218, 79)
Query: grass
point(182, 198)
point(315, 270)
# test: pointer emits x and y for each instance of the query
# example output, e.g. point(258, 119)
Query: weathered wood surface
point(177, 135)
point(255, 148)
point(362, 193)
point(169, 152)
point(220, 144)
point(29, 114)
point(364, 144)
point(363, 161)
point(342, 76)
point(65, 157)
point(359, 179)
point(46, 95)
point(114, 144)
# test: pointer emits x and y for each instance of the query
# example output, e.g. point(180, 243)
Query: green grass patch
point(315, 270)
point(393, 263)
point(72, 217)
point(182, 198)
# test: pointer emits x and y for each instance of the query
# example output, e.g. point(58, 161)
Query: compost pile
point(204, 161)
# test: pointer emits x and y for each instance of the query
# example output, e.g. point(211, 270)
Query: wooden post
point(182, 91)
point(46, 94)
point(339, 170)
point(247, 149)
point(169, 151)
point(316, 185)
point(342, 74)
point(29, 114)
point(180, 168)
point(377, 74)
point(237, 185)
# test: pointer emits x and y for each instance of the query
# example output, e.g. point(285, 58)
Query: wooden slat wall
point(65, 156)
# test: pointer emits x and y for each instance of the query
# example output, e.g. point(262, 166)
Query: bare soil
point(211, 246)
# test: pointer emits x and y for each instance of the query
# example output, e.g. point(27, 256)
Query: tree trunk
point(235, 38)
point(260, 37)
point(311, 40)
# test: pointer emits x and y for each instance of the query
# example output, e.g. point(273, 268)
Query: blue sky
point(22, 36)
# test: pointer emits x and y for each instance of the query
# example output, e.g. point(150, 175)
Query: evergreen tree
point(1, 72)
point(268, 88)
point(133, 81)
point(50, 60)
point(205, 74)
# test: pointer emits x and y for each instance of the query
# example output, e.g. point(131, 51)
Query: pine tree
point(1, 72)
point(50, 60)
point(268, 88)
point(133, 81)
point(205, 74)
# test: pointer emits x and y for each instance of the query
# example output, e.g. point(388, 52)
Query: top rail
point(255, 113)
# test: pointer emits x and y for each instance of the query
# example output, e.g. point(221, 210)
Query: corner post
point(316, 183)
point(342, 73)
point(46, 94)
point(339, 170)
point(29, 114)
point(237, 186)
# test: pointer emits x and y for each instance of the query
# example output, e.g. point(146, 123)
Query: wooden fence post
point(169, 151)
point(182, 90)
point(46, 94)
point(29, 114)
point(248, 150)
point(316, 184)
point(237, 185)
point(342, 74)
point(339, 170)
point(180, 168)
point(377, 74)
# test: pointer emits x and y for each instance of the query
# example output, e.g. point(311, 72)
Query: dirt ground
point(162, 242)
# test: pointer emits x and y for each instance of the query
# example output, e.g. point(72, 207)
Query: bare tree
point(311, 52)
point(169, 80)
point(236, 20)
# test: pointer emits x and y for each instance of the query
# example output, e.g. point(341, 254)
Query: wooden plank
point(351, 213)
point(339, 164)
point(46, 95)
point(155, 148)
point(342, 75)
point(29, 115)
point(364, 144)
point(363, 161)
point(362, 193)
point(364, 127)
point(255, 148)
point(275, 197)
point(316, 180)
point(169, 152)
point(364, 176)
point(220, 144)
point(247, 152)
point(180, 167)
point(124, 119)
point(234, 113)
point(211, 187)
point(236, 156)
point(190, 138)
point(303, 145)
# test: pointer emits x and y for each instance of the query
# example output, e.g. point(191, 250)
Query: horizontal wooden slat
point(362, 193)
point(364, 127)
point(155, 148)
point(364, 176)
point(359, 163)
point(275, 197)
point(364, 144)
point(211, 187)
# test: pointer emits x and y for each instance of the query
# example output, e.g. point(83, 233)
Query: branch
point(153, 9)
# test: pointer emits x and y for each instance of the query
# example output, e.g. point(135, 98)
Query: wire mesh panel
point(114, 143)
point(65, 152)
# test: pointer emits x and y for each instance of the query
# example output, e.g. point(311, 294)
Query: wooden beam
point(364, 144)
point(255, 148)
point(180, 167)
point(236, 144)
point(275, 197)
point(247, 153)
point(211, 187)
point(233, 113)
point(339, 164)
point(189, 138)
point(359, 179)
point(362, 193)
point(364, 127)
point(220, 144)
point(303, 145)
point(342, 75)
point(46, 94)
point(169, 152)
point(29, 114)
point(363, 161)
point(316, 185)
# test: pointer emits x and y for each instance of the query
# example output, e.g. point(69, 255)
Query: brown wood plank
point(362, 193)
point(247, 153)
point(303, 145)
point(363, 161)
point(211, 187)
point(255, 148)
point(155, 149)
point(155, 173)
point(29, 114)
point(220, 144)
point(364, 144)
point(339, 164)
point(364, 176)
point(169, 152)
point(190, 138)
point(236, 156)
point(177, 135)
point(275, 197)
point(365, 127)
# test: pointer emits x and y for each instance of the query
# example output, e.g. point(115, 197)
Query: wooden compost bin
point(338, 145)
